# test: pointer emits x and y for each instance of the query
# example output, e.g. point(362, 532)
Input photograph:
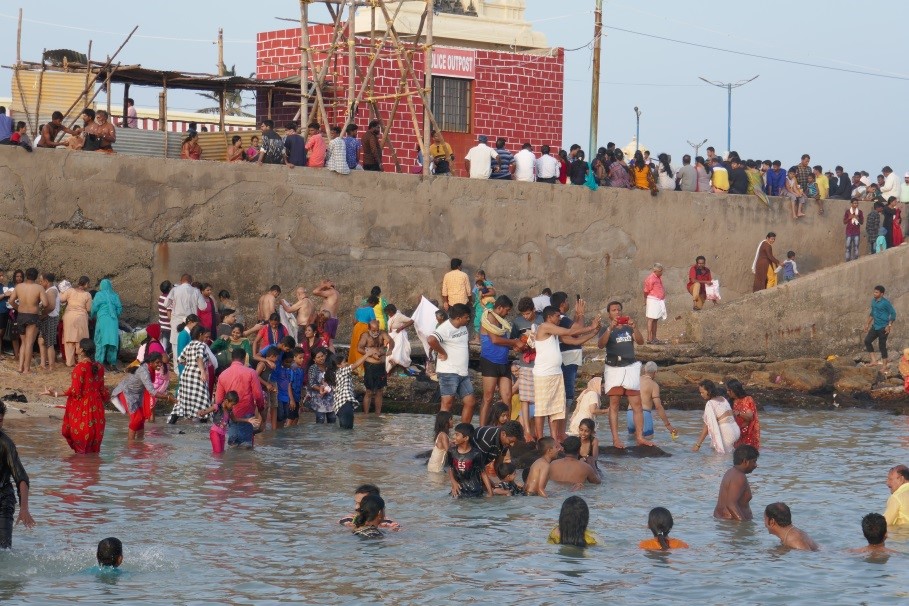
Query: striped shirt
point(486, 440)
point(163, 313)
point(506, 158)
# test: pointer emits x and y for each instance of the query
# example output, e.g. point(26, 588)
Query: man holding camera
point(622, 374)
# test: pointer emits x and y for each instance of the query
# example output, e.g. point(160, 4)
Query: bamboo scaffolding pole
point(35, 132)
point(427, 79)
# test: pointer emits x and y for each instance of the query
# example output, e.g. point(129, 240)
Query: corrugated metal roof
point(59, 90)
point(148, 143)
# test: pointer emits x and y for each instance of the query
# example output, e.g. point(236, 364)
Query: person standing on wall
point(878, 326)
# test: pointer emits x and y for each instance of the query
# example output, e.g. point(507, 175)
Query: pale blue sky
point(837, 117)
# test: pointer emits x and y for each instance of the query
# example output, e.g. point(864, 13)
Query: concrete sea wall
point(143, 220)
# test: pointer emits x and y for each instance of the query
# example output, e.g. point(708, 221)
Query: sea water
point(261, 527)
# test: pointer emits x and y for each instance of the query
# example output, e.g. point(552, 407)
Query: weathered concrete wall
point(819, 314)
point(142, 220)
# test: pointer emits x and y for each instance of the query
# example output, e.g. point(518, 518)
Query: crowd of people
point(263, 375)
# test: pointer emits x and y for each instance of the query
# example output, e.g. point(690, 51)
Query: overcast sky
point(836, 116)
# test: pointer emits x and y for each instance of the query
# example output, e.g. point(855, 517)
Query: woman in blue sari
point(106, 309)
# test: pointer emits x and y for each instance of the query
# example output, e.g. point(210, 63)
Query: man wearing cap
point(479, 158)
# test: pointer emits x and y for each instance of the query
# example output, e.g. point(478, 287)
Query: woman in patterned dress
point(83, 420)
point(193, 394)
point(321, 395)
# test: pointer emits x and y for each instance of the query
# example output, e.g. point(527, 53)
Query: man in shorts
point(375, 345)
point(47, 326)
point(650, 399)
point(28, 298)
point(495, 343)
point(450, 342)
point(622, 374)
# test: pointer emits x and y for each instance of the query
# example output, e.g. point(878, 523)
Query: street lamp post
point(697, 147)
point(637, 129)
point(728, 86)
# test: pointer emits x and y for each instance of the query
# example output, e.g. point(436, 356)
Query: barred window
point(451, 103)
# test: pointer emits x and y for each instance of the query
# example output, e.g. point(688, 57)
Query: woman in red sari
point(83, 421)
point(744, 410)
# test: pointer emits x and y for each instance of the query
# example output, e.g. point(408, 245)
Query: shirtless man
point(539, 471)
point(52, 129)
point(650, 399)
point(27, 299)
point(570, 468)
point(778, 520)
point(326, 289)
point(267, 303)
point(375, 345)
point(105, 131)
point(304, 309)
point(874, 527)
point(734, 499)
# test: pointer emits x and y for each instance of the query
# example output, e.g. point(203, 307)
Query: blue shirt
point(506, 158)
point(281, 377)
point(273, 377)
point(352, 146)
point(776, 182)
point(6, 127)
point(497, 354)
point(296, 378)
point(882, 313)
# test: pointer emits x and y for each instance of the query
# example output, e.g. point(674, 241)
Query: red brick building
point(476, 91)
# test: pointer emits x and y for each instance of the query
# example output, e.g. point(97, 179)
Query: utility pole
point(595, 84)
point(697, 147)
point(728, 86)
point(637, 129)
point(221, 68)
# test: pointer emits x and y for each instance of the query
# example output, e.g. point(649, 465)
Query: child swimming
point(110, 553)
point(370, 515)
point(507, 487)
point(501, 414)
point(363, 491)
point(439, 449)
point(466, 470)
point(590, 446)
point(660, 523)
point(572, 528)
point(539, 471)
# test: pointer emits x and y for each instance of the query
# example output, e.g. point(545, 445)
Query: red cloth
point(692, 280)
point(751, 431)
point(83, 420)
point(242, 379)
point(897, 226)
point(653, 286)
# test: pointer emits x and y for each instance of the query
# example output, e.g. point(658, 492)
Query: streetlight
point(697, 147)
point(729, 86)
point(637, 130)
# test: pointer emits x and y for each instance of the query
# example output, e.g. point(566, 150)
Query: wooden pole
point(352, 60)
point(427, 79)
point(107, 88)
point(88, 74)
point(35, 132)
point(304, 59)
point(162, 110)
point(221, 66)
point(19, 40)
point(125, 123)
point(319, 79)
point(221, 113)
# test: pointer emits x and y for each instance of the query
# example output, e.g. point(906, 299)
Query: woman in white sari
point(719, 422)
point(398, 324)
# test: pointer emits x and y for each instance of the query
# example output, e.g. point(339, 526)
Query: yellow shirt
point(823, 186)
point(720, 179)
point(443, 150)
point(555, 536)
point(640, 178)
point(897, 512)
point(456, 286)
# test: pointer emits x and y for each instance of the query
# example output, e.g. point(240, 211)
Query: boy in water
point(13, 479)
point(874, 527)
point(466, 466)
point(270, 388)
point(359, 493)
point(507, 487)
point(110, 553)
point(296, 379)
point(281, 378)
point(539, 471)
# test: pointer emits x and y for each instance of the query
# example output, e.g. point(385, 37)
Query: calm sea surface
point(261, 527)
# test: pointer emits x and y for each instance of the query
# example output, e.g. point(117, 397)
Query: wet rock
point(855, 379)
point(637, 452)
point(670, 378)
point(802, 374)
point(761, 378)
